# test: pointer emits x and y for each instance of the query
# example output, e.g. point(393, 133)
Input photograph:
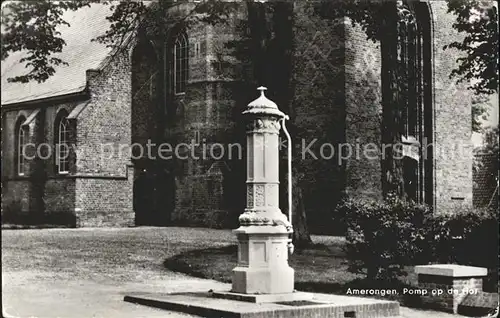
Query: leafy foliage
point(491, 139)
point(467, 237)
point(31, 26)
point(13, 214)
point(478, 20)
point(385, 236)
point(125, 17)
point(382, 236)
point(371, 15)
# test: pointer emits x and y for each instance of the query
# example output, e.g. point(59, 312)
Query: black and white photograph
point(250, 158)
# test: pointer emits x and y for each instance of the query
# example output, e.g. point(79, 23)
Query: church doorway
point(154, 197)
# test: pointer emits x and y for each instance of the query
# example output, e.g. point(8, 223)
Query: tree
point(478, 21)
point(32, 27)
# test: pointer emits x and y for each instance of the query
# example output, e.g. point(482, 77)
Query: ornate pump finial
point(262, 89)
point(263, 106)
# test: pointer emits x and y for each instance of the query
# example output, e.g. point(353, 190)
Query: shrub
point(467, 237)
point(383, 237)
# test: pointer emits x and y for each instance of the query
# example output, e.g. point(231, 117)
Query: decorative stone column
point(264, 230)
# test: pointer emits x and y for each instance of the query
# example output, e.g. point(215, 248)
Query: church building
point(84, 131)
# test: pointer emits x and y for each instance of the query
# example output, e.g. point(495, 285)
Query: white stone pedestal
point(262, 261)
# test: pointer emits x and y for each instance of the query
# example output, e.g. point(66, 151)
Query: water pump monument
point(263, 273)
point(263, 282)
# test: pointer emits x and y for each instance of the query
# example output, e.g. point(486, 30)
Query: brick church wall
point(15, 189)
point(452, 120)
point(42, 195)
point(59, 190)
point(190, 119)
point(145, 112)
point(203, 113)
point(363, 113)
point(319, 113)
point(104, 179)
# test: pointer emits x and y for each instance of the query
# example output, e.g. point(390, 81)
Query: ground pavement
point(86, 272)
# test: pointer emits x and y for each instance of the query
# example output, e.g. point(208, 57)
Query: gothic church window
point(22, 133)
point(62, 143)
point(414, 72)
point(196, 137)
point(181, 57)
point(197, 50)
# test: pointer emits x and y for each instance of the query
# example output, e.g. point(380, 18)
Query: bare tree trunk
point(301, 235)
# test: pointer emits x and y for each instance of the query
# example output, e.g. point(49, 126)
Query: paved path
point(28, 294)
point(86, 272)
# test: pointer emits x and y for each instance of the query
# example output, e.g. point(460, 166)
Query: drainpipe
point(289, 163)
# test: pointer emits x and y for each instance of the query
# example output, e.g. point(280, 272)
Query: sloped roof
point(80, 53)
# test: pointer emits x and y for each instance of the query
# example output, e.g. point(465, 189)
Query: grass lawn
point(83, 273)
point(102, 254)
point(320, 268)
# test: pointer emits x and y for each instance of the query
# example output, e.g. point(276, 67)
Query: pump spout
point(289, 161)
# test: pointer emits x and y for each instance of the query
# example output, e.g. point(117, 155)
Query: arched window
point(415, 93)
point(181, 56)
point(144, 71)
point(22, 133)
point(62, 143)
